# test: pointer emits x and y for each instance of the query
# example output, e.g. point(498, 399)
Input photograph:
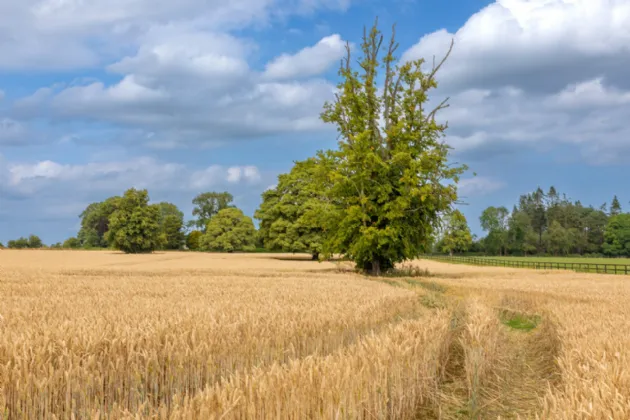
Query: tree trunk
point(315, 256)
point(376, 267)
point(450, 252)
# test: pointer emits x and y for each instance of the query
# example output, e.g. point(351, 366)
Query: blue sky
point(196, 95)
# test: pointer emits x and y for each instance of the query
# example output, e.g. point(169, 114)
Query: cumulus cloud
point(308, 61)
point(54, 34)
point(115, 176)
point(540, 45)
point(588, 117)
point(537, 74)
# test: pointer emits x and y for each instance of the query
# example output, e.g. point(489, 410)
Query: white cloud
point(115, 176)
point(537, 74)
point(538, 44)
point(589, 118)
point(65, 34)
point(478, 186)
point(590, 94)
point(308, 61)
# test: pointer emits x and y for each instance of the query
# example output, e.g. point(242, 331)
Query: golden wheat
point(201, 336)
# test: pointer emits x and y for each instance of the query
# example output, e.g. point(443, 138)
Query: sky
point(182, 97)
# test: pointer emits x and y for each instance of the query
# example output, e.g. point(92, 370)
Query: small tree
point(615, 207)
point(390, 177)
point(457, 236)
point(135, 226)
point(34, 242)
point(72, 243)
point(229, 230)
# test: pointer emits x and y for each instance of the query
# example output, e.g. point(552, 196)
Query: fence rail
point(537, 265)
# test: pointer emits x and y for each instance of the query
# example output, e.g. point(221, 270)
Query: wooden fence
point(537, 265)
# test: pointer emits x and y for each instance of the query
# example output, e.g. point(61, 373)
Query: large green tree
point(390, 177)
point(617, 236)
point(135, 225)
point(229, 230)
point(457, 237)
point(207, 205)
point(291, 213)
point(95, 223)
point(171, 226)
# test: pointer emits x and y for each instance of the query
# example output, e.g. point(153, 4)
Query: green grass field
point(622, 261)
point(591, 265)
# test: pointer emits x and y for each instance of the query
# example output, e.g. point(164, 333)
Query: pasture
point(274, 336)
point(568, 260)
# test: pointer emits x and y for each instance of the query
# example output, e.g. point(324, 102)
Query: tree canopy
point(95, 223)
point(171, 221)
point(229, 230)
point(135, 225)
point(291, 213)
point(617, 236)
point(390, 177)
point(207, 205)
point(457, 236)
point(547, 224)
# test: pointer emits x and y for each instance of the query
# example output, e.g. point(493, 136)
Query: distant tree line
point(130, 224)
point(551, 224)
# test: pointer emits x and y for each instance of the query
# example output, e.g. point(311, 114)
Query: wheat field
point(95, 335)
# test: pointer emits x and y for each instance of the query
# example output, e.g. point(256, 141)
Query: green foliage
point(617, 236)
point(1, 245)
point(172, 226)
point(519, 321)
point(494, 220)
point(389, 176)
point(34, 242)
point(543, 224)
point(557, 239)
point(72, 243)
point(615, 207)
point(229, 230)
point(457, 237)
point(291, 213)
point(95, 223)
point(56, 245)
point(135, 225)
point(20, 243)
point(193, 240)
point(207, 205)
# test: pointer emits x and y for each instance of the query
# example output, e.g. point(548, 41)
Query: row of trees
point(32, 242)
point(550, 223)
point(131, 224)
point(378, 199)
